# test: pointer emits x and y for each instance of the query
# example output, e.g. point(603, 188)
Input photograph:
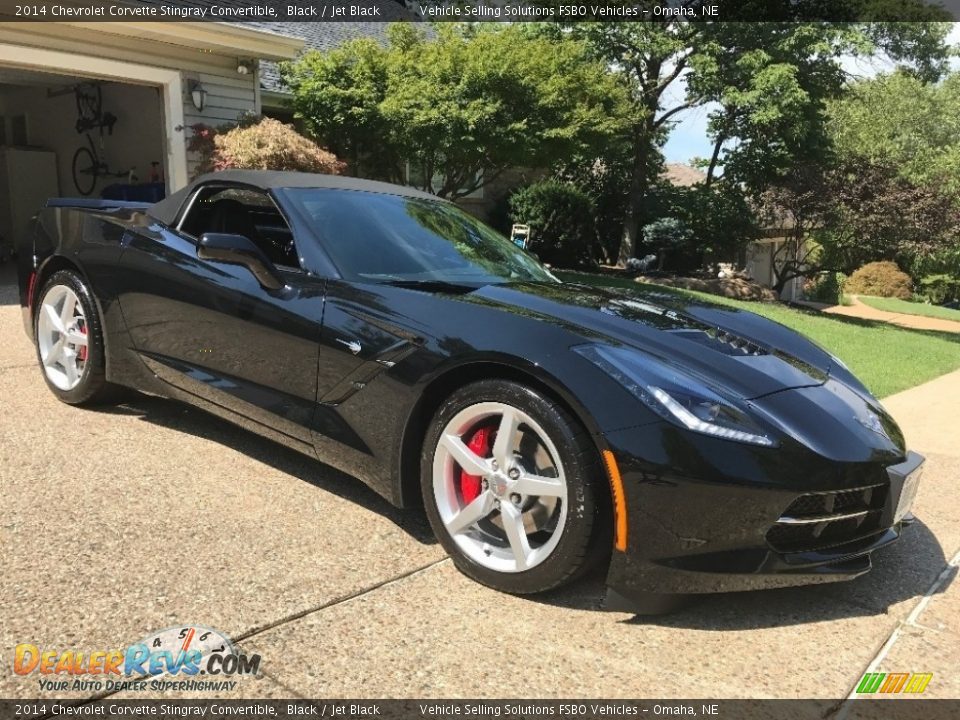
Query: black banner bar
point(899, 708)
point(270, 11)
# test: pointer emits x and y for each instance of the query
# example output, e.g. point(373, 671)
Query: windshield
point(387, 238)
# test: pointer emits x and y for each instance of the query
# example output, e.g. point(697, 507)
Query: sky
point(689, 136)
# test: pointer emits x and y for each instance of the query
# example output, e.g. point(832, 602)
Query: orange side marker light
point(619, 502)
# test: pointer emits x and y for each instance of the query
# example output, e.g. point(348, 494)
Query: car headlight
point(677, 397)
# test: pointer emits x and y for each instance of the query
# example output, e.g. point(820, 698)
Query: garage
point(65, 135)
point(108, 110)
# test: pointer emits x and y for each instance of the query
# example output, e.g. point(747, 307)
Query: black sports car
point(546, 427)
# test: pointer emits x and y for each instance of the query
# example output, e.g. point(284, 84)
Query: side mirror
point(240, 250)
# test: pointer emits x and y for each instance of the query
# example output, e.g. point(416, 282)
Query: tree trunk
point(638, 188)
point(631, 227)
point(781, 283)
point(714, 158)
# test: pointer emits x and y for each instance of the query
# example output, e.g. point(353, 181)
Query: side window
point(242, 211)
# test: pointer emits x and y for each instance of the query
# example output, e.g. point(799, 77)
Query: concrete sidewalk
point(117, 522)
point(859, 309)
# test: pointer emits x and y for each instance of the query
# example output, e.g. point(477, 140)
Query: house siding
point(228, 97)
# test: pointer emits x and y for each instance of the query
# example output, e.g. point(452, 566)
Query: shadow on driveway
point(183, 418)
point(900, 573)
point(9, 291)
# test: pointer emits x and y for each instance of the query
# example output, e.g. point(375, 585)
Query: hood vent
point(722, 341)
point(686, 327)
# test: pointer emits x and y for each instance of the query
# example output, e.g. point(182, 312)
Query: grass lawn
point(910, 308)
point(886, 358)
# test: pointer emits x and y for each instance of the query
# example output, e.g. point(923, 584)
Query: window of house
point(242, 211)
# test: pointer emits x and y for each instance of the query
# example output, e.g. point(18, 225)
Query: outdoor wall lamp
point(197, 94)
point(244, 66)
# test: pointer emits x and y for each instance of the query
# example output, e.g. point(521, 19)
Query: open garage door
point(66, 135)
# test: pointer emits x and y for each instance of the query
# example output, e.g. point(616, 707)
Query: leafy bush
point(826, 287)
point(665, 235)
point(941, 288)
point(883, 279)
point(945, 261)
point(560, 216)
point(266, 144)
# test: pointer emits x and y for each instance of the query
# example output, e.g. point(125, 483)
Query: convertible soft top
point(166, 210)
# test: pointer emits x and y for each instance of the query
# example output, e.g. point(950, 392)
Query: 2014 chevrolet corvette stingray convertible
point(546, 427)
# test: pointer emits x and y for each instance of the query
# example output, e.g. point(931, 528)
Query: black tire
point(85, 171)
point(93, 388)
point(586, 535)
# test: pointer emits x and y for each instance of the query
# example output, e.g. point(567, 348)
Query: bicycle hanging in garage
point(89, 164)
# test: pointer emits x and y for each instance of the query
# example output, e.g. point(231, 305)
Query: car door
point(210, 328)
point(375, 340)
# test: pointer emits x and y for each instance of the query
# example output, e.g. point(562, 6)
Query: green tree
point(899, 119)
point(877, 214)
point(338, 95)
point(765, 84)
point(459, 107)
point(720, 219)
point(854, 213)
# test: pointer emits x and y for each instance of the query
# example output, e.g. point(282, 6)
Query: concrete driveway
point(118, 522)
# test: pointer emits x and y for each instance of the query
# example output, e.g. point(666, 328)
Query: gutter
point(220, 38)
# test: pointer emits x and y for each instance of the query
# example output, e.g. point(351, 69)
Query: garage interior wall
point(137, 138)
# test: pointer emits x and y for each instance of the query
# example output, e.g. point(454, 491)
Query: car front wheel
point(510, 482)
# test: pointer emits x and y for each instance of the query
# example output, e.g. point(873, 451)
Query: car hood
point(739, 351)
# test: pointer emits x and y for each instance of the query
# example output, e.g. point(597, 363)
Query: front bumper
point(707, 516)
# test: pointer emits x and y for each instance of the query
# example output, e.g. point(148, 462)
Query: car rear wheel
point(69, 340)
point(510, 481)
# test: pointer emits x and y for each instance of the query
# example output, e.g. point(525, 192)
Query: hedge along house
point(155, 78)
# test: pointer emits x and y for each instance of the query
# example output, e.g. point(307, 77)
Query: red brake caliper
point(82, 352)
point(479, 444)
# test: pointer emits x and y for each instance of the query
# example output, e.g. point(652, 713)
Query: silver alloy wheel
point(62, 337)
point(517, 519)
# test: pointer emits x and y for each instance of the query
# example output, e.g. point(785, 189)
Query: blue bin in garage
point(141, 192)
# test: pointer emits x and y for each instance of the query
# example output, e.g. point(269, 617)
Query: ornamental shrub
point(883, 279)
point(560, 216)
point(266, 144)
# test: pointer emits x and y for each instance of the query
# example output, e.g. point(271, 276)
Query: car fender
point(593, 398)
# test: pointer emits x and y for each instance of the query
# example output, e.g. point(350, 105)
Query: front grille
point(806, 505)
point(816, 521)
